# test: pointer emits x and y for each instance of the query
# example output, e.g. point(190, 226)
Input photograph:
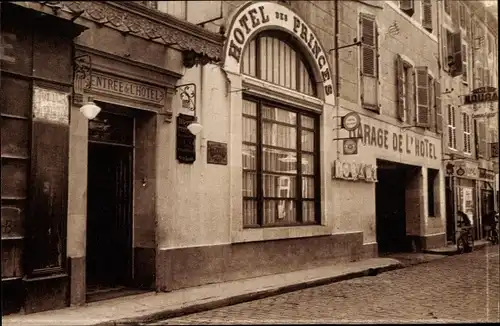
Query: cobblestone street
point(462, 288)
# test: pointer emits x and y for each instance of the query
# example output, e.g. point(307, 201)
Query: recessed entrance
point(392, 205)
point(109, 205)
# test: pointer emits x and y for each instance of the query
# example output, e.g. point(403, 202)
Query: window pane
point(249, 157)
point(249, 213)
point(249, 184)
point(14, 173)
point(274, 160)
point(249, 108)
point(279, 186)
point(279, 212)
point(308, 212)
point(307, 122)
point(13, 215)
point(308, 187)
point(15, 96)
point(249, 130)
point(11, 259)
point(279, 135)
point(307, 141)
point(308, 164)
point(14, 137)
point(279, 115)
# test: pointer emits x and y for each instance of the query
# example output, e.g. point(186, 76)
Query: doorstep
point(452, 249)
point(154, 306)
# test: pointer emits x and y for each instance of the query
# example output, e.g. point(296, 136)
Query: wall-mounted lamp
point(90, 110)
point(188, 98)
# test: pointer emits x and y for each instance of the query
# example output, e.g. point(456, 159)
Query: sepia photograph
point(203, 162)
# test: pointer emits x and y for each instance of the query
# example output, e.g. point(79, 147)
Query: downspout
point(337, 76)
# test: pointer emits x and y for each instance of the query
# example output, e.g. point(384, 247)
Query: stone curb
point(177, 312)
point(477, 246)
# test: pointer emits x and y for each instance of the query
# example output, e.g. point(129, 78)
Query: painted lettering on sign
point(127, 88)
point(354, 171)
point(397, 142)
point(255, 16)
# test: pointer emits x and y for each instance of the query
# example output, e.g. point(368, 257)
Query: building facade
point(190, 174)
point(469, 57)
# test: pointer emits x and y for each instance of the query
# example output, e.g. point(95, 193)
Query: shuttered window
point(447, 49)
point(465, 64)
point(432, 115)
point(452, 128)
point(466, 121)
point(454, 12)
point(437, 107)
point(481, 139)
point(427, 15)
point(272, 58)
point(422, 82)
point(456, 54)
point(369, 62)
point(407, 6)
point(447, 8)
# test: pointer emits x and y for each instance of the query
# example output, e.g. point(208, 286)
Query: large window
point(280, 165)
point(271, 57)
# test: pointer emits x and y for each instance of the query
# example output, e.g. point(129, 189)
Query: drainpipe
point(337, 75)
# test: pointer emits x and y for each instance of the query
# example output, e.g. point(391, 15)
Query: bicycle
point(465, 240)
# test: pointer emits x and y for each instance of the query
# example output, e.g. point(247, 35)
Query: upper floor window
point(461, 15)
point(447, 6)
point(465, 64)
point(467, 132)
point(407, 6)
point(369, 62)
point(426, 6)
point(271, 57)
point(452, 52)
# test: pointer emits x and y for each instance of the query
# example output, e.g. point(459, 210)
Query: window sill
point(276, 233)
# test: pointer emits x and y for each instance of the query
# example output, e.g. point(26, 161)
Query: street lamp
point(90, 110)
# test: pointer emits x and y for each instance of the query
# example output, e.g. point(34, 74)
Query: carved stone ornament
point(132, 18)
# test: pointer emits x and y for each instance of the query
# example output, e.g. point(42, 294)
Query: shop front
point(401, 211)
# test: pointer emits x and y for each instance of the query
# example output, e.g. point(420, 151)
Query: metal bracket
point(239, 90)
point(342, 138)
point(356, 43)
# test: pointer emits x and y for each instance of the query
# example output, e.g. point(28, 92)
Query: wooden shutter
point(461, 7)
point(437, 105)
point(368, 48)
point(400, 88)
point(454, 11)
point(481, 141)
point(457, 68)
point(407, 6)
point(423, 114)
point(486, 78)
point(427, 15)
point(444, 48)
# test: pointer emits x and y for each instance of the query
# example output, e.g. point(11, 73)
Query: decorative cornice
point(132, 18)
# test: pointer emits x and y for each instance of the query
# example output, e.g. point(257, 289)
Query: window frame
point(410, 11)
point(422, 15)
point(451, 127)
point(259, 171)
point(465, 62)
point(447, 5)
point(467, 139)
point(375, 107)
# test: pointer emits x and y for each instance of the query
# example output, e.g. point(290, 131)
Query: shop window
point(433, 192)
point(271, 57)
point(427, 15)
point(467, 132)
point(280, 165)
point(407, 6)
point(452, 128)
point(369, 62)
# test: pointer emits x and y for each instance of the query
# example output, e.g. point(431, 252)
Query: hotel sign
point(354, 171)
point(482, 94)
point(254, 17)
point(127, 88)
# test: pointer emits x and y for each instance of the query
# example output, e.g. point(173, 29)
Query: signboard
point(462, 169)
point(253, 17)
point(127, 88)
point(186, 141)
point(392, 139)
point(486, 174)
point(216, 153)
point(351, 121)
point(482, 94)
point(350, 146)
point(354, 171)
point(466, 203)
point(50, 105)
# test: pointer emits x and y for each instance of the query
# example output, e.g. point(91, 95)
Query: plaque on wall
point(185, 141)
point(216, 153)
point(50, 105)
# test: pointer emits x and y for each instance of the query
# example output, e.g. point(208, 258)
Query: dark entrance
point(109, 203)
point(390, 197)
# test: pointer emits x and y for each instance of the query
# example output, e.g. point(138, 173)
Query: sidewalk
point(452, 249)
point(153, 306)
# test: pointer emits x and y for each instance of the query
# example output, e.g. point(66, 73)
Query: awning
point(132, 18)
